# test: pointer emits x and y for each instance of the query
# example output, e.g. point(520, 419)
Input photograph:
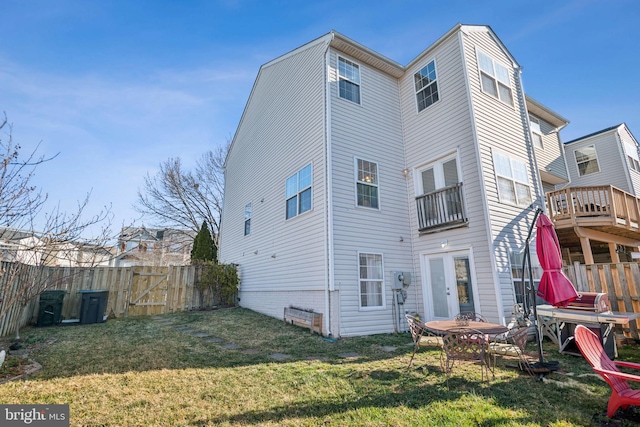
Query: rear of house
point(363, 190)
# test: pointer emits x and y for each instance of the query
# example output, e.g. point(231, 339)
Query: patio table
point(442, 326)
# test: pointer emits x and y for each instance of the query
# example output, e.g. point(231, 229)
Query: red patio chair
point(621, 394)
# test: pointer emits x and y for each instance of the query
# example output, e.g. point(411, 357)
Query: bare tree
point(25, 251)
point(183, 199)
point(19, 199)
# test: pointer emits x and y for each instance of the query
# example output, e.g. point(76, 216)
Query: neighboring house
point(597, 217)
point(349, 170)
point(31, 248)
point(159, 247)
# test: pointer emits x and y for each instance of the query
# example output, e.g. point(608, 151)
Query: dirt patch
point(18, 364)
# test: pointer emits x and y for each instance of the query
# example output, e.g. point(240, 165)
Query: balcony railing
point(602, 205)
point(443, 208)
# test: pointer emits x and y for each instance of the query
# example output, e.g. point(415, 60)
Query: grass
point(141, 371)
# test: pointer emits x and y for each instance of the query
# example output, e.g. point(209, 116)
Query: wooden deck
point(603, 208)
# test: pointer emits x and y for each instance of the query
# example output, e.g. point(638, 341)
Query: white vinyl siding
point(371, 280)
point(278, 264)
point(367, 184)
point(612, 164)
point(587, 160)
point(495, 78)
point(358, 132)
point(349, 80)
point(550, 156)
point(499, 128)
point(433, 134)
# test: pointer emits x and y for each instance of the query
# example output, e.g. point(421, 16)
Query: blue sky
point(116, 87)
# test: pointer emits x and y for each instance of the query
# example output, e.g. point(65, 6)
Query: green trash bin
point(50, 312)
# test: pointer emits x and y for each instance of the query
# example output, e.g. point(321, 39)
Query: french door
point(448, 284)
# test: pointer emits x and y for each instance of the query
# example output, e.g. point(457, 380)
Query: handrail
point(603, 202)
point(441, 208)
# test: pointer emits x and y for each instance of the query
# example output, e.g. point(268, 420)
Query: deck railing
point(603, 202)
point(443, 208)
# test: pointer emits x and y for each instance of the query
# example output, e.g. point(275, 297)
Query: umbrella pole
point(530, 292)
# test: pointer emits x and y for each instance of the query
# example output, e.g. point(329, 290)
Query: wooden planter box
point(304, 318)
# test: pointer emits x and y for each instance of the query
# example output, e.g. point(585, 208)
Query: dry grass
point(141, 371)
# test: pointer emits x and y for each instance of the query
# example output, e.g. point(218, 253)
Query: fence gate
point(148, 295)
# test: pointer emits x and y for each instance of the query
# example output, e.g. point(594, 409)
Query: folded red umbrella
point(554, 287)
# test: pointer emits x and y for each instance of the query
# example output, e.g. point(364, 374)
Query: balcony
point(604, 206)
point(441, 209)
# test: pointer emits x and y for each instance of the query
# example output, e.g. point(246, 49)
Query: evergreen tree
point(204, 248)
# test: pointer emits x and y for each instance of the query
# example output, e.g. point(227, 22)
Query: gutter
point(328, 224)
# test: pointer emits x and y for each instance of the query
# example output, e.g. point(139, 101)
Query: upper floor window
point(495, 78)
point(371, 280)
point(512, 179)
point(367, 184)
point(349, 80)
point(536, 133)
point(587, 160)
point(247, 219)
point(631, 150)
point(299, 192)
point(426, 86)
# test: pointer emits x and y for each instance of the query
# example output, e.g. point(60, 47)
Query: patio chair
point(466, 345)
point(421, 337)
point(470, 315)
point(512, 345)
point(622, 395)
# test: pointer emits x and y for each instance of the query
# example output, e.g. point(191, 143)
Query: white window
point(536, 133)
point(247, 219)
point(587, 160)
point(515, 259)
point(495, 78)
point(299, 192)
point(426, 86)
point(512, 179)
point(367, 184)
point(440, 174)
point(631, 150)
point(349, 80)
point(371, 280)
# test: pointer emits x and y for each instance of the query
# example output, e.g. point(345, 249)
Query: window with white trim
point(631, 151)
point(587, 160)
point(513, 180)
point(371, 280)
point(536, 133)
point(426, 86)
point(515, 259)
point(349, 80)
point(367, 183)
point(495, 78)
point(247, 219)
point(299, 192)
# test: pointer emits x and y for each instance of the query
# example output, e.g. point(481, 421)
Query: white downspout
point(328, 224)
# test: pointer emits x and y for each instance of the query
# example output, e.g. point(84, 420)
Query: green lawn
point(142, 371)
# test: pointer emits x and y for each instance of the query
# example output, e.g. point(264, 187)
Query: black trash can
point(94, 305)
point(50, 312)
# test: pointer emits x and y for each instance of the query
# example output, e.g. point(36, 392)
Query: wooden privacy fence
point(621, 282)
point(133, 291)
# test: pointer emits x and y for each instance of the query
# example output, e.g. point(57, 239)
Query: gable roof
point(609, 129)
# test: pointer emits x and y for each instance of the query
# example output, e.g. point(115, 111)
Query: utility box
point(94, 306)
point(50, 312)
